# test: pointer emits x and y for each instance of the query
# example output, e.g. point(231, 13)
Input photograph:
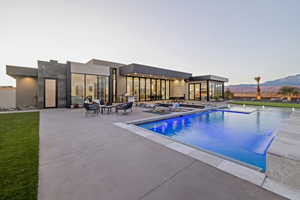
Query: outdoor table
point(105, 107)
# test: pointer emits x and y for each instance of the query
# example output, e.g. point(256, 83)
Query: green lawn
point(19, 147)
point(273, 104)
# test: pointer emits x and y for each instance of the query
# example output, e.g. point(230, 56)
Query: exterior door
point(50, 93)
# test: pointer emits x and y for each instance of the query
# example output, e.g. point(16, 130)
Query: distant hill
point(289, 80)
point(267, 88)
point(293, 80)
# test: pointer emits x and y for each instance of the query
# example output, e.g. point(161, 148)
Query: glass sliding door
point(167, 89)
point(103, 88)
point(77, 91)
point(148, 89)
point(215, 90)
point(163, 89)
point(136, 88)
point(219, 89)
point(142, 89)
point(91, 87)
point(191, 91)
point(129, 84)
point(203, 90)
point(158, 89)
point(197, 92)
point(50, 93)
point(106, 89)
point(153, 89)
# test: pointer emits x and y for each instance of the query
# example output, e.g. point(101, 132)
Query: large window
point(106, 89)
point(191, 91)
point(197, 92)
point(167, 89)
point(136, 88)
point(77, 92)
point(89, 86)
point(215, 89)
point(142, 89)
point(146, 89)
point(153, 89)
point(163, 89)
point(204, 90)
point(129, 83)
point(103, 88)
point(158, 91)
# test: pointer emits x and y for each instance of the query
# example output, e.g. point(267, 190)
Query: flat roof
point(208, 77)
point(134, 68)
point(21, 71)
point(104, 62)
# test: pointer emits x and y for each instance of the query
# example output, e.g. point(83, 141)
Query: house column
point(110, 87)
point(223, 92)
point(207, 84)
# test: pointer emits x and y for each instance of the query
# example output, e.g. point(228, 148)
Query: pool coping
point(241, 170)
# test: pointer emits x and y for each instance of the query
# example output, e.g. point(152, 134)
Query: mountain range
point(293, 80)
point(268, 87)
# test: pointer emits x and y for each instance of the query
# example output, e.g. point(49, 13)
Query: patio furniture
point(151, 106)
point(124, 107)
point(108, 108)
point(91, 108)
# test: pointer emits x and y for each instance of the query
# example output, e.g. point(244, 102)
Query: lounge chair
point(91, 108)
point(125, 107)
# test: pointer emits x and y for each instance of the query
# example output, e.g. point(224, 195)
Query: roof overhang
point(16, 71)
point(138, 69)
point(209, 78)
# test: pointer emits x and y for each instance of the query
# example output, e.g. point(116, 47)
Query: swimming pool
point(238, 136)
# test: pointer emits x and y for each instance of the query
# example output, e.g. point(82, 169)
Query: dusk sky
point(233, 38)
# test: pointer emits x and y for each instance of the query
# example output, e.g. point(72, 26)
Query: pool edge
point(226, 165)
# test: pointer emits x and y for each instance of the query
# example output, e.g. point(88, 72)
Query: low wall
point(7, 97)
point(283, 156)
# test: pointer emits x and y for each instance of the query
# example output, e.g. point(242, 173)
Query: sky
point(237, 39)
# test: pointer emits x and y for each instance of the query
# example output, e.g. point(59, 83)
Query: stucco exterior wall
point(177, 88)
point(7, 97)
point(26, 92)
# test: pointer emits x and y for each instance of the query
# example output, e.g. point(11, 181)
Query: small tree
point(228, 94)
point(258, 97)
point(289, 92)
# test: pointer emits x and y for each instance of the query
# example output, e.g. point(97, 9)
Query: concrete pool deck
point(283, 156)
point(91, 158)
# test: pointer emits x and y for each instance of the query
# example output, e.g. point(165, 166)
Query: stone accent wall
point(90, 69)
point(55, 70)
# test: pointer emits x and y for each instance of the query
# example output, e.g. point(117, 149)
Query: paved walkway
point(87, 158)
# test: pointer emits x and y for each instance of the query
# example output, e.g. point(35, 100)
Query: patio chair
point(91, 108)
point(125, 107)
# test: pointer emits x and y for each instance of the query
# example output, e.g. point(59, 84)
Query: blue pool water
point(239, 136)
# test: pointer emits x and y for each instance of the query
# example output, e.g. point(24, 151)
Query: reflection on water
point(244, 137)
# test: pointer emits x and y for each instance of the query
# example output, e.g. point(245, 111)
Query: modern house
point(55, 84)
